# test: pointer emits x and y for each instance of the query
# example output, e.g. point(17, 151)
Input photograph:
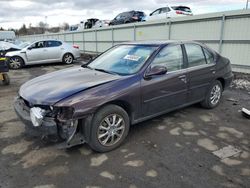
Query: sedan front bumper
point(48, 126)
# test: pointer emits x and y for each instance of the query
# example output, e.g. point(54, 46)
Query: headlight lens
point(66, 113)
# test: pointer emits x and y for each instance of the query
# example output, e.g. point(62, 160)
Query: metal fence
point(225, 32)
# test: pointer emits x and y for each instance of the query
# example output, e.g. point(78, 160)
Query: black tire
point(208, 102)
point(98, 121)
point(68, 58)
point(16, 62)
point(6, 79)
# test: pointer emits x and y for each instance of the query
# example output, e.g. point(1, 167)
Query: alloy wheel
point(68, 59)
point(215, 95)
point(15, 63)
point(111, 130)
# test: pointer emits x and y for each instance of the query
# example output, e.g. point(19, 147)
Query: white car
point(169, 12)
point(43, 51)
point(101, 23)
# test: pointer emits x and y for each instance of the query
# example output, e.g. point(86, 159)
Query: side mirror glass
point(156, 70)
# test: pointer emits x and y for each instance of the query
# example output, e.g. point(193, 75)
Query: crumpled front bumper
point(48, 126)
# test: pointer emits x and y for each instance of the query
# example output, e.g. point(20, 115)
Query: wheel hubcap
point(68, 59)
point(15, 63)
point(215, 95)
point(111, 130)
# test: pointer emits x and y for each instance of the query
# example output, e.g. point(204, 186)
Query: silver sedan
point(43, 51)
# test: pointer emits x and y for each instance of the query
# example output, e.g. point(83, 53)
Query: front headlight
point(66, 113)
point(36, 116)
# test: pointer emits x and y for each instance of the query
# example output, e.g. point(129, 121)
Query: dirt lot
point(174, 150)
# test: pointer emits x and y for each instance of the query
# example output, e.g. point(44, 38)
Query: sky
point(15, 13)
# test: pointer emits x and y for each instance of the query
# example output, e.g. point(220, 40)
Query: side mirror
point(156, 70)
point(150, 14)
point(29, 48)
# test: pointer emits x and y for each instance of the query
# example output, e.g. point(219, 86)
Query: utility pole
point(247, 4)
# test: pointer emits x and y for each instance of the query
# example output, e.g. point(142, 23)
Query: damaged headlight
point(36, 116)
point(66, 113)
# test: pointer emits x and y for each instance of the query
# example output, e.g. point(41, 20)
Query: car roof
point(46, 40)
point(159, 42)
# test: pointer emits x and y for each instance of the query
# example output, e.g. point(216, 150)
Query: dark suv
point(128, 17)
point(127, 84)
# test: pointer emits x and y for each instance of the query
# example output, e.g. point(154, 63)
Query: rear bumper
point(48, 126)
point(228, 80)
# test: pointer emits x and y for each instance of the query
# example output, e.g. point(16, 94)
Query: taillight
point(76, 46)
point(135, 17)
point(179, 12)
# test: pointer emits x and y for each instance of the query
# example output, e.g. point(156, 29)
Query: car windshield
point(123, 59)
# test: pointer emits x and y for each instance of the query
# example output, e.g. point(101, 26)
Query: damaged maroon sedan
point(129, 83)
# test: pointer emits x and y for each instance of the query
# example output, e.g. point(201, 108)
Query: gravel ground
point(173, 150)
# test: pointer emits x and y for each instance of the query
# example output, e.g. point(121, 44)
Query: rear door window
point(171, 57)
point(181, 8)
point(53, 43)
point(209, 56)
point(195, 55)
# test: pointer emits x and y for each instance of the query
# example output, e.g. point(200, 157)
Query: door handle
point(183, 78)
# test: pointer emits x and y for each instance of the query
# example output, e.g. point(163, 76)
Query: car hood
point(13, 53)
point(8, 45)
point(53, 87)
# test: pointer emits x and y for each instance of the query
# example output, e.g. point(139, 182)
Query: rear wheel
point(16, 62)
point(68, 58)
point(110, 127)
point(6, 79)
point(213, 96)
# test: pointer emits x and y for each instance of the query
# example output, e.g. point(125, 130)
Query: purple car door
point(162, 93)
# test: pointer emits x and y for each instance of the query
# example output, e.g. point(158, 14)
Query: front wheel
point(16, 62)
point(68, 58)
point(213, 96)
point(110, 126)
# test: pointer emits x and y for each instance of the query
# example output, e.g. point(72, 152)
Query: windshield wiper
point(86, 66)
point(102, 70)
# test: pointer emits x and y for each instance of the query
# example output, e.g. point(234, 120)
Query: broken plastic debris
point(226, 152)
point(246, 112)
point(232, 100)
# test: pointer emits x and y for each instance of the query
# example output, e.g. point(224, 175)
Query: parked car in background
point(10, 47)
point(101, 23)
point(128, 17)
point(130, 83)
point(73, 27)
point(87, 24)
point(169, 12)
point(7, 47)
point(90, 23)
point(43, 51)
